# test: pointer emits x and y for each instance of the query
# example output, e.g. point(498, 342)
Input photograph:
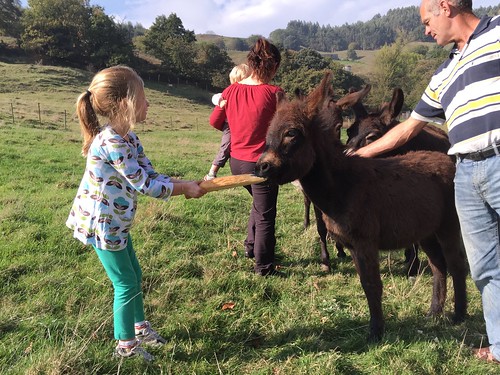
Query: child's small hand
point(222, 103)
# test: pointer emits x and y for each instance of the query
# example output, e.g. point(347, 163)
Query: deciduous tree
point(56, 29)
point(10, 15)
point(214, 65)
point(107, 43)
point(392, 66)
point(172, 44)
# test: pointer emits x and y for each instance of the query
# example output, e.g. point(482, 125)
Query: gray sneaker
point(148, 336)
point(133, 351)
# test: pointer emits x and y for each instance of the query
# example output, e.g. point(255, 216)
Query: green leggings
point(124, 271)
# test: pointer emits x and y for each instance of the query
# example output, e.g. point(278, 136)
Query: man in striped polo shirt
point(464, 93)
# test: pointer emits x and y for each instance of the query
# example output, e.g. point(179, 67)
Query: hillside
point(46, 95)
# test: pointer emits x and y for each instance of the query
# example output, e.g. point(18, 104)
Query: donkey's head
point(368, 127)
point(296, 129)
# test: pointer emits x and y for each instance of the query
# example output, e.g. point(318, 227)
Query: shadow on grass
point(348, 337)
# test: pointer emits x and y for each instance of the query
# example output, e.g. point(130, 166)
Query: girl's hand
point(192, 189)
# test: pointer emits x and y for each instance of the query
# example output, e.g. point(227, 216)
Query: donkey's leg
point(322, 232)
point(411, 259)
point(367, 265)
point(438, 266)
point(307, 208)
point(340, 250)
point(456, 261)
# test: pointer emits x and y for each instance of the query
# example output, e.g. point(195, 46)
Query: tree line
point(75, 33)
point(370, 35)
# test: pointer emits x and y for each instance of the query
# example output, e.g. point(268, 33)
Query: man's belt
point(483, 154)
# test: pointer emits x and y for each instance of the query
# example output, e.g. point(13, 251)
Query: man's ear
point(444, 6)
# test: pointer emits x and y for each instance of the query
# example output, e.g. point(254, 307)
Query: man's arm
point(394, 138)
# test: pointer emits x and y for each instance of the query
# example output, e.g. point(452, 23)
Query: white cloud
point(246, 17)
point(242, 18)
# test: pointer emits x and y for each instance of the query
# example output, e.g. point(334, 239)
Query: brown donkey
point(365, 202)
point(368, 126)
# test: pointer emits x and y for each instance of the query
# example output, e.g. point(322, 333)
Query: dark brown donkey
point(365, 202)
point(370, 126)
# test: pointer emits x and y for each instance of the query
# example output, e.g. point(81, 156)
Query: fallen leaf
point(228, 305)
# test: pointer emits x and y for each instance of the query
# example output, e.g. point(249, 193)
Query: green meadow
point(200, 292)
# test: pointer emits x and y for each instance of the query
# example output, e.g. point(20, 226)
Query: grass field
point(55, 310)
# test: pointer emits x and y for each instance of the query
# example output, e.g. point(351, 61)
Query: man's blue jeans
point(477, 198)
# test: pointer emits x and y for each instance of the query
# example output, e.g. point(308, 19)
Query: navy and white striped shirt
point(464, 92)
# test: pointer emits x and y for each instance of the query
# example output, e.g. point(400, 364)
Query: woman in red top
point(250, 105)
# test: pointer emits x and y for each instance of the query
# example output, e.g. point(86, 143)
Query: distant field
point(362, 66)
point(43, 95)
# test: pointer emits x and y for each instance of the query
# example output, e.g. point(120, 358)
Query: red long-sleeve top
point(249, 110)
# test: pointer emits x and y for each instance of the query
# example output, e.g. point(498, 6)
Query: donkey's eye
point(372, 137)
point(292, 133)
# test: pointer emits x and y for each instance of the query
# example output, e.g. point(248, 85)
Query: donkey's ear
point(353, 100)
point(320, 95)
point(393, 109)
point(280, 97)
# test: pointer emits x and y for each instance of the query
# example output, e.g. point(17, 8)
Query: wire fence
point(20, 111)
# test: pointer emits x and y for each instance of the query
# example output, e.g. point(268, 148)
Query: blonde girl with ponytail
point(117, 170)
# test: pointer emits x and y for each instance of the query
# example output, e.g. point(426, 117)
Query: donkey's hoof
point(434, 313)
point(458, 318)
point(326, 268)
point(374, 337)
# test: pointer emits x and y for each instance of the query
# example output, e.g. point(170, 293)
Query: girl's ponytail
point(89, 123)
point(112, 95)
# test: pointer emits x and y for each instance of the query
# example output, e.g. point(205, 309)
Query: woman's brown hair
point(264, 59)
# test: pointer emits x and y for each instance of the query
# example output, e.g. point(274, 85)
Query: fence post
point(12, 111)
point(39, 114)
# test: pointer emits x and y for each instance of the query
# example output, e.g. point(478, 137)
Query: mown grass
point(55, 310)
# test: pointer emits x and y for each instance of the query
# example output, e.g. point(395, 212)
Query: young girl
point(105, 205)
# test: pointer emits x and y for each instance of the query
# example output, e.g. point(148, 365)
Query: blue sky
point(242, 18)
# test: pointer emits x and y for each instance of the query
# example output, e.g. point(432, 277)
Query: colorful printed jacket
point(106, 201)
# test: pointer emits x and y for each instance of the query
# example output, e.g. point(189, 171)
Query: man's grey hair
point(462, 5)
